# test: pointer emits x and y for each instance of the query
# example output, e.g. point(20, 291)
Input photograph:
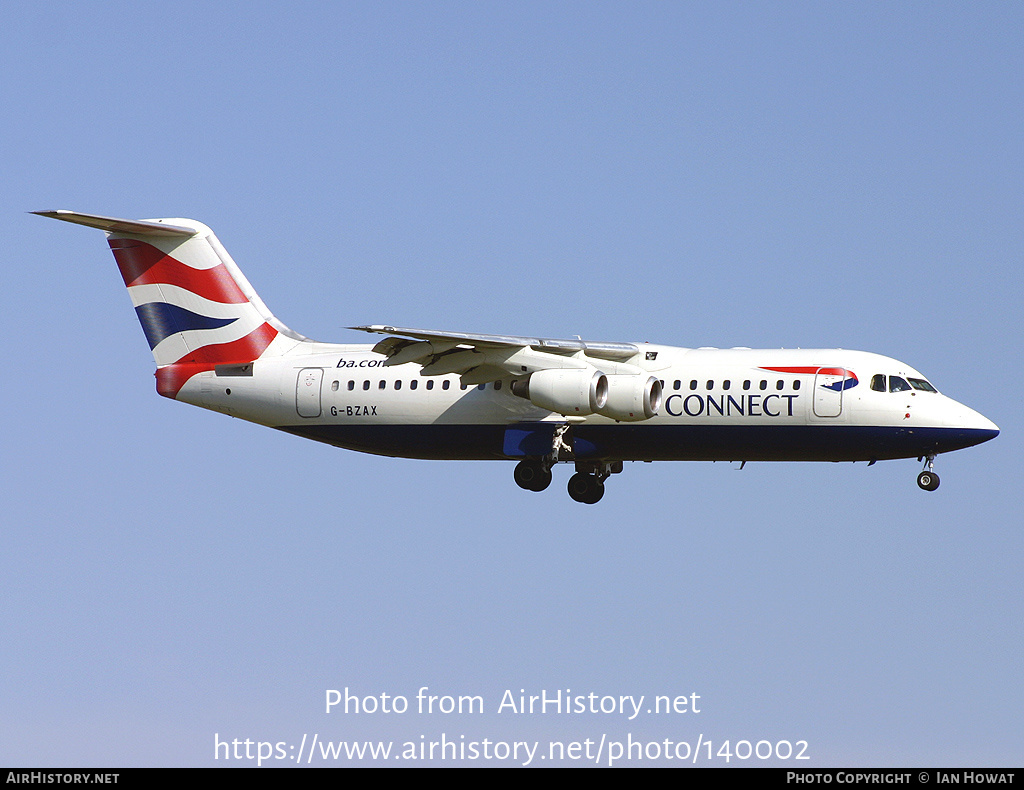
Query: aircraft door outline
point(829, 384)
point(307, 392)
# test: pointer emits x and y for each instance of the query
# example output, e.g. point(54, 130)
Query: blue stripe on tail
point(160, 320)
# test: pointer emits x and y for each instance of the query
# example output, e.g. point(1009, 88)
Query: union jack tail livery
point(195, 305)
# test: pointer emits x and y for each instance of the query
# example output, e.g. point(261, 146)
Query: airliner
point(536, 401)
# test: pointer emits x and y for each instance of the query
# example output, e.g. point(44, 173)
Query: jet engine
point(631, 397)
point(569, 391)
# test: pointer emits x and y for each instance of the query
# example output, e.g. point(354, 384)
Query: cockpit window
point(921, 384)
point(897, 384)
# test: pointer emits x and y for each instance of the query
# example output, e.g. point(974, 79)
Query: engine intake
point(632, 398)
point(569, 391)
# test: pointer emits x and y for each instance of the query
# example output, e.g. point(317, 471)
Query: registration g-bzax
point(535, 401)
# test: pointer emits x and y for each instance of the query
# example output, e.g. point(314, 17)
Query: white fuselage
point(718, 404)
point(451, 395)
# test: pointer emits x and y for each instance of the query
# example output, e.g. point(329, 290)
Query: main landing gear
point(928, 480)
point(532, 474)
point(586, 486)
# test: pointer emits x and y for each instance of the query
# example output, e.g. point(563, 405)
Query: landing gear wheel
point(929, 481)
point(585, 488)
point(532, 476)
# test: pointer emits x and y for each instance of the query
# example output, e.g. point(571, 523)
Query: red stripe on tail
point(144, 264)
point(171, 378)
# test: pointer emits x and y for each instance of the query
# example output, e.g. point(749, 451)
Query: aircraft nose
point(978, 425)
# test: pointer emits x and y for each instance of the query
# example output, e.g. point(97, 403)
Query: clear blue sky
point(782, 174)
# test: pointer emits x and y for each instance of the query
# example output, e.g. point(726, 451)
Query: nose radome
point(964, 417)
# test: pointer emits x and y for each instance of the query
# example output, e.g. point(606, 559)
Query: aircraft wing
point(479, 358)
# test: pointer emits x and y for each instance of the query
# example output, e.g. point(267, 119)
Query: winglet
point(114, 225)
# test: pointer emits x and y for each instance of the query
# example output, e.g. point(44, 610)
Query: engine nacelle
point(574, 392)
point(632, 397)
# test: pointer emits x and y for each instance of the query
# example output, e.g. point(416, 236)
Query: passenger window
point(382, 384)
point(746, 384)
point(763, 385)
point(464, 386)
point(779, 384)
point(878, 382)
point(693, 384)
point(896, 384)
point(398, 384)
point(351, 385)
point(726, 384)
point(796, 384)
point(497, 386)
point(677, 384)
point(413, 384)
point(481, 386)
point(445, 384)
point(710, 385)
point(366, 385)
point(430, 384)
point(334, 386)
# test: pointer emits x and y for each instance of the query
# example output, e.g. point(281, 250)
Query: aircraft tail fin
point(196, 307)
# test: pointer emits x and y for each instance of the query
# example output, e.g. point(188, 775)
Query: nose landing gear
point(928, 480)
